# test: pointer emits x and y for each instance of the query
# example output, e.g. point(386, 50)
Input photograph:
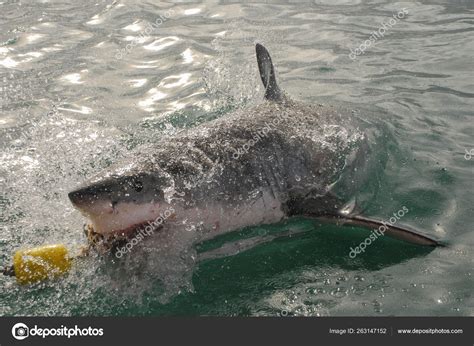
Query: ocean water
point(84, 82)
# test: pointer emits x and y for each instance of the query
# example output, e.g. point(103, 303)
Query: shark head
point(122, 200)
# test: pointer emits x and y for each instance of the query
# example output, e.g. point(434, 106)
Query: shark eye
point(137, 185)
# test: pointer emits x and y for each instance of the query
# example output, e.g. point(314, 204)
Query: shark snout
point(120, 200)
point(113, 216)
point(91, 200)
point(78, 197)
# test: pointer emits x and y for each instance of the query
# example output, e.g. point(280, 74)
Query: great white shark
point(257, 165)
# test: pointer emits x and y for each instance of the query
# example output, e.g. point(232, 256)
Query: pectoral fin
point(395, 231)
point(330, 208)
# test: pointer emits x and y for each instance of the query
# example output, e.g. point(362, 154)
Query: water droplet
point(377, 306)
point(339, 292)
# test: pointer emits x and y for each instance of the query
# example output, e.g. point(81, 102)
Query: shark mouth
point(105, 232)
point(109, 242)
point(111, 224)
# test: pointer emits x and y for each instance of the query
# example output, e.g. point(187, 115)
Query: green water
point(70, 108)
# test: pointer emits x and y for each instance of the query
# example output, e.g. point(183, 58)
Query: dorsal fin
point(267, 73)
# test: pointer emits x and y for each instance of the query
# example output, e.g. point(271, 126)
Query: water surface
point(84, 82)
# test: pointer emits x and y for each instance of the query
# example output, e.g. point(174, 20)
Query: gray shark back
point(280, 147)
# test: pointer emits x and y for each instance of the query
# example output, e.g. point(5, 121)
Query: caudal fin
point(267, 73)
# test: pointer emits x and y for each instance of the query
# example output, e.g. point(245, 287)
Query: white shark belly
point(213, 218)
